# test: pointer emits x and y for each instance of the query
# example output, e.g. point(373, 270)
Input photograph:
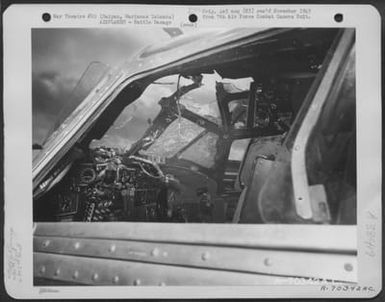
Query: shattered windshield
point(154, 124)
point(203, 151)
point(174, 138)
point(137, 117)
point(203, 100)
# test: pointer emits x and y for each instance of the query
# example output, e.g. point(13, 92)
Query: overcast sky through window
point(61, 55)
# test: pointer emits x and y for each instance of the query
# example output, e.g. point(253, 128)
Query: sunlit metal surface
point(97, 253)
point(98, 271)
point(274, 262)
point(273, 236)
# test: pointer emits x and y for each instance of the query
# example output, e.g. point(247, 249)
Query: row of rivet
point(205, 256)
point(94, 277)
point(155, 252)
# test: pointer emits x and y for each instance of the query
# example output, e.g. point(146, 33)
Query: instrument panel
point(112, 187)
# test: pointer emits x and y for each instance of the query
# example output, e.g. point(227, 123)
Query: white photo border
point(18, 228)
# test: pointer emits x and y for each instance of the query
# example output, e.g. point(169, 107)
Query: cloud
point(50, 91)
point(70, 50)
point(50, 94)
point(60, 56)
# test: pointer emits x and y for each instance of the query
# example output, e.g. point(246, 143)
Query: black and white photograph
point(256, 129)
point(193, 152)
point(206, 141)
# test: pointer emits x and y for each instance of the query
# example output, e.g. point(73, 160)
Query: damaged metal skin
point(150, 61)
point(154, 181)
point(266, 109)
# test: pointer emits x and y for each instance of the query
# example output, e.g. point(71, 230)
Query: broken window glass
point(203, 151)
point(174, 138)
